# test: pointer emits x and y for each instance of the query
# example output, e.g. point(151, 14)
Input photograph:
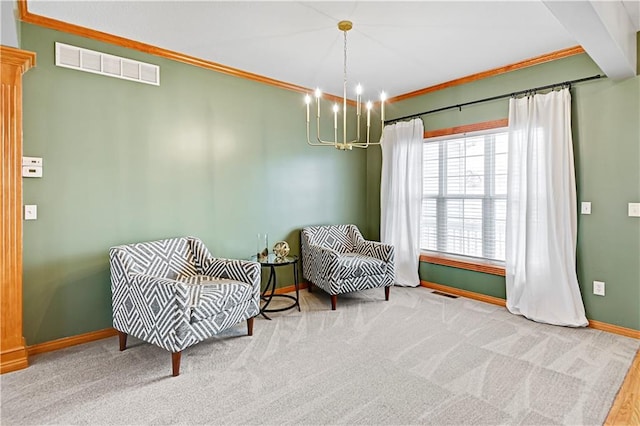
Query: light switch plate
point(585, 207)
point(30, 212)
point(634, 209)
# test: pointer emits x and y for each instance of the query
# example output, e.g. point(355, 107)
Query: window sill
point(455, 262)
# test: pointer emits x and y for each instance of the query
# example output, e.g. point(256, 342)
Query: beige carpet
point(418, 359)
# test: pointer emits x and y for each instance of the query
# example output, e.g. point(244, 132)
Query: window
point(464, 198)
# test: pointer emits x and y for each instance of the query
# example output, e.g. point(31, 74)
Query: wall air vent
point(87, 60)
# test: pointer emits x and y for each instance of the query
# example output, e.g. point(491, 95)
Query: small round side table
point(272, 262)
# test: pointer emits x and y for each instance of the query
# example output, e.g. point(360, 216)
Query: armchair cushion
point(209, 295)
point(353, 265)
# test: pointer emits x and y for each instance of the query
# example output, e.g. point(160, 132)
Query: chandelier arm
point(365, 145)
point(320, 141)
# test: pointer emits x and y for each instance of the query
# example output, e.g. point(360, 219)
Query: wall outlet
point(598, 288)
point(585, 207)
point(634, 209)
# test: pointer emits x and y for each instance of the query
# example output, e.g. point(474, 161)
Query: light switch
point(634, 209)
point(30, 212)
point(585, 207)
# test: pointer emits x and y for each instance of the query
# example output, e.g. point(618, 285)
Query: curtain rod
point(493, 98)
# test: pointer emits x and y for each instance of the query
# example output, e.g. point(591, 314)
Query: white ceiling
point(395, 46)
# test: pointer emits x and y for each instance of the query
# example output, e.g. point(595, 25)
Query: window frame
point(487, 266)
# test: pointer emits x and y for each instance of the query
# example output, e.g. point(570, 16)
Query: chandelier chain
point(345, 57)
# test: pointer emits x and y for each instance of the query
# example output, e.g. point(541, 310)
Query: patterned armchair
point(339, 260)
point(174, 294)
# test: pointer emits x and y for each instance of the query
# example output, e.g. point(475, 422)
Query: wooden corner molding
point(22, 59)
point(559, 54)
point(14, 359)
point(13, 64)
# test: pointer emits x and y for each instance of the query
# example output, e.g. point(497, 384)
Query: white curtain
point(401, 197)
point(541, 278)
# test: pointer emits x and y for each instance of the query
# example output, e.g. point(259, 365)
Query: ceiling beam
point(605, 31)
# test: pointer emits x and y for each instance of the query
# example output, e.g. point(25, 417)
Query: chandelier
point(344, 26)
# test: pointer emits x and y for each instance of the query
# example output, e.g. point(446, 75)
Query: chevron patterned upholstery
point(174, 294)
point(339, 260)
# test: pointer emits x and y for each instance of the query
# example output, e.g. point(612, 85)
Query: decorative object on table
point(281, 249)
point(339, 260)
point(263, 247)
point(173, 293)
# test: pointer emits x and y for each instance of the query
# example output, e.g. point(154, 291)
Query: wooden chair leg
point(334, 300)
point(122, 337)
point(386, 293)
point(175, 363)
point(310, 287)
point(250, 326)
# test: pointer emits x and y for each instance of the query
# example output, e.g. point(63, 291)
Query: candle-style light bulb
point(318, 94)
point(358, 89)
point(383, 97)
point(335, 122)
point(307, 100)
point(369, 106)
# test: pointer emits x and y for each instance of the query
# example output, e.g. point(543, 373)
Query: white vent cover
point(101, 63)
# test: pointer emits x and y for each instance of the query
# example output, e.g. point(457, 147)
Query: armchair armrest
point(170, 292)
point(235, 269)
point(158, 303)
point(325, 259)
point(384, 252)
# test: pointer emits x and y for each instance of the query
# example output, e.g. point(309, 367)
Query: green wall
point(203, 154)
point(606, 137)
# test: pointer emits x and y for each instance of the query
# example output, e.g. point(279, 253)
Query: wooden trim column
point(14, 63)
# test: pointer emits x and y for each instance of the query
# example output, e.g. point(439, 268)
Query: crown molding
point(553, 56)
point(54, 24)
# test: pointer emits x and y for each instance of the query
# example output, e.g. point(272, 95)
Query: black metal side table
point(272, 262)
